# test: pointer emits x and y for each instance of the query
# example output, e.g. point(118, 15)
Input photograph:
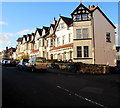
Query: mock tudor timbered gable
point(81, 13)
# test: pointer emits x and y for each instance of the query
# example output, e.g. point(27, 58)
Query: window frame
point(77, 34)
point(70, 37)
point(58, 41)
point(83, 16)
point(63, 39)
point(78, 18)
point(108, 37)
point(83, 33)
point(79, 51)
point(86, 51)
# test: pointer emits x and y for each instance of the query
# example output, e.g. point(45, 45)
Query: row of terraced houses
point(88, 37)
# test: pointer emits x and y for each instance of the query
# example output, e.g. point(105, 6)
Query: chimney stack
point(54, 21)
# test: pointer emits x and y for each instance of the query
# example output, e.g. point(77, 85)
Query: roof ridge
point(65, 17)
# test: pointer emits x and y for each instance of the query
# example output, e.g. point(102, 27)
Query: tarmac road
point(38, 89)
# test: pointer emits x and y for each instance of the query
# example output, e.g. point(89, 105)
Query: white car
point(37, 63)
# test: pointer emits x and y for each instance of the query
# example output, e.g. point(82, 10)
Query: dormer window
point(78, 17)
point(85, 17)
point(81, 17)
point(61, 26)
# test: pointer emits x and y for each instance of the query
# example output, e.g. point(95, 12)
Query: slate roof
point(67, 20)
point(19, 39)
point(46, 29)
point(39, 31)
point(52, 25)
point(25, 36)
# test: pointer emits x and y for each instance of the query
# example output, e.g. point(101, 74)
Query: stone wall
point(81, 68)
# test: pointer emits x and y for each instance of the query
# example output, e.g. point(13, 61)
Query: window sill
point(108, 41)
point(81, 58)
point(81, 20)
point(83, 39)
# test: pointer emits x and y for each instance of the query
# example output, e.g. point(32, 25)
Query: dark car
point(22, 64)
point(115, 70)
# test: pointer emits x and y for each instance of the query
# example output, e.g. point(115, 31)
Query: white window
point(43, 42)
point(58, 41)
point(62, 25)
point(47, 43)
point(35, 46)
point(58, 28)
point(71, 54)
point(63, 39)
point(86, 51)
point(82, 33)
point(79, 51)
point(40, 43)
point(84, 17)
point(51, 42)
point(78, 33)
point(70, 37)
point(85, 32)
point(78, 17)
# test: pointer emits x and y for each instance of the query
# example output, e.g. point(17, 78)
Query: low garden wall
point(80, 68)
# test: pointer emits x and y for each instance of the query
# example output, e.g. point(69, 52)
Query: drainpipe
point(93, 36)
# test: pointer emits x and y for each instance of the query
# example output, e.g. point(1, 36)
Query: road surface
point(38, 89)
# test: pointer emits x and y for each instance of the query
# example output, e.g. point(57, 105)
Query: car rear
point(40, 63)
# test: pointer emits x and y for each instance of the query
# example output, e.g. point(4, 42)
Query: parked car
point(115, 70)
point(4, 62)
point(11, 63)
point(37, 63)
point(22, 64)
point(1, 61)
